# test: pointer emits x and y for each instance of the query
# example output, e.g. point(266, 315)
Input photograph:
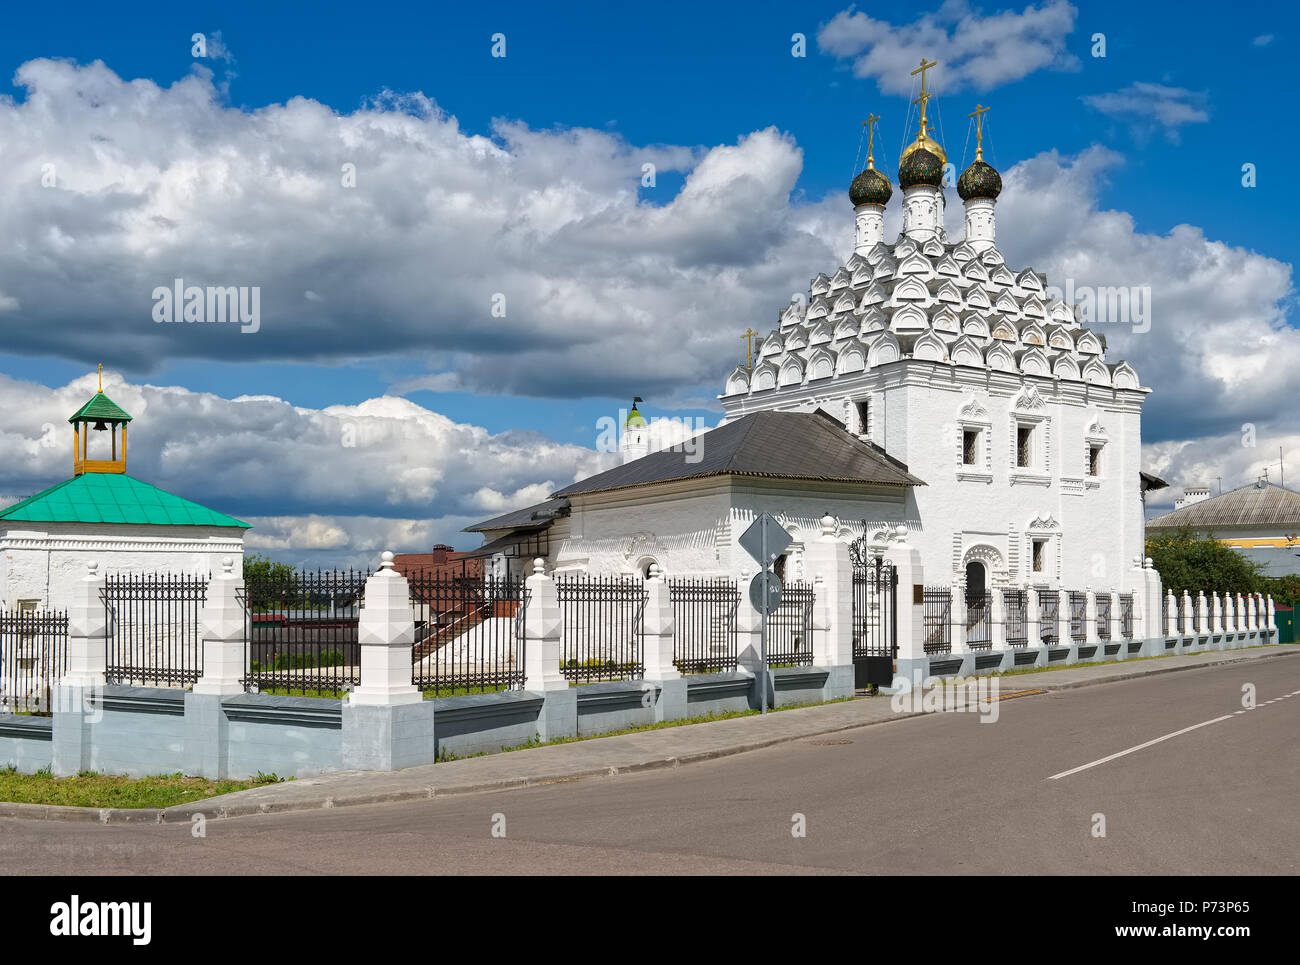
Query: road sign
point(777, 539)
point(766, 584)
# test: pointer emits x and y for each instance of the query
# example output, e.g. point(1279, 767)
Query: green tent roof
point(113, 498)
point(101, 406)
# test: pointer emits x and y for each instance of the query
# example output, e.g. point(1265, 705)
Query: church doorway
point(978, 610)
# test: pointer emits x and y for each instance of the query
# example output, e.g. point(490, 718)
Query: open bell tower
point(100, 414)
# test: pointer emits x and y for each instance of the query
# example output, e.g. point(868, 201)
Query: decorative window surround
point(1029, 409)
point(973, 417)
point(1044, 528)
point(1095, 435)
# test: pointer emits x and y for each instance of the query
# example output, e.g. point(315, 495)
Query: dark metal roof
point(1149, 481)
point(1252, 506)
point(530, 517)
point(783, 445)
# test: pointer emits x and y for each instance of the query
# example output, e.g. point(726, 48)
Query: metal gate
point(153, 638)
point(979, 620)
point(875, 623)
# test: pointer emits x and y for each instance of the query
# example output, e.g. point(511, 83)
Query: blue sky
point(683, 80)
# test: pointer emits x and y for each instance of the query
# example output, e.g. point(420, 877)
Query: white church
point(925, 384)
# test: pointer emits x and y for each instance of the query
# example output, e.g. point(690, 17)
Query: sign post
point(765, 540)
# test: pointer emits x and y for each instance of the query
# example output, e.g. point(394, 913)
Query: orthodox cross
point(979, 130)
point(101, 376)
point(749, 337)
point(870, 125)
point(925, 93)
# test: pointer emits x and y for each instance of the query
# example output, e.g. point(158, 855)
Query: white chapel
point(924, 383)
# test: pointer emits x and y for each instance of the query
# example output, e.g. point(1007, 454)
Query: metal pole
point(762, 637)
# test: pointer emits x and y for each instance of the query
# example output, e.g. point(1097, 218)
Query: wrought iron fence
point(153, 628)
point(33, 656)
point(604, 618)
point(1017, 607)
point(875, 612)
point(704, 615)
point(790, 627)
point(1103, 616)
point(1078, 615)
point(1164, 616)
point(1178, 615)
point(937, 619)
point(1049, 615)
point(469, 633)
point(1126, 615)
point(301, 631)
point(979, 619)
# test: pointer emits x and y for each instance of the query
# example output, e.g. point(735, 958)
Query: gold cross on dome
point(749, 337)
point(870, 125)
point(925, 93)
point(979, 130)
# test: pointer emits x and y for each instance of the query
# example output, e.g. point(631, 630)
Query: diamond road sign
point(777, 539)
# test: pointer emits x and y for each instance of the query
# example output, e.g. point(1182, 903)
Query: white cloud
point(1149, 106)
point(1263, 40)
point(156, 183)
point(385, 474)
point(973, 50)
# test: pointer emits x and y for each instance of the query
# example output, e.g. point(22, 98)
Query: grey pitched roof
point(783, 445)
point(530, 517)
point(1249, 506)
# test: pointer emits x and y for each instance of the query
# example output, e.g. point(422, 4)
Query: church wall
point(43, 561)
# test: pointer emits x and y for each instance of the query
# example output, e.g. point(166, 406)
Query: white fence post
point(913, 664)
point(543, 630)
point(221, 623)
point(828, 557)
point(1202, 614)
point(1090, 634)
point(659, 629)
point(387, 723)
point(76, 695)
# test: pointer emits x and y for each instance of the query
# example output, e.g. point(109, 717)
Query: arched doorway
point(978, 624)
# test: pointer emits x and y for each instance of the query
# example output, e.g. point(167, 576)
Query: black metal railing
point(1049, 615)
point(604, 619)
point(937, 619)
point(301, 632)
point(704, 617)
point(33, 656)
point(153, 628)
point(979, 620)
point(790, 627)
point(1078, 616)
point(1126, 615)
point(469, 633)
point(1178, 615)
point(1017, 620)
point(1103, 616)
point(875, 610)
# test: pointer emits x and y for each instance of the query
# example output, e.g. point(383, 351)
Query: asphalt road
point(940, 794)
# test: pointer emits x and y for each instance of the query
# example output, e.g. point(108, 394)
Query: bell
point(99, 426)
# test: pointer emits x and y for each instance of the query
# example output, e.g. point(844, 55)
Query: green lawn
point(107, 791)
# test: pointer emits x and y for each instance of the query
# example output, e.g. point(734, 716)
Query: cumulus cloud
point(1147, 107)
point(973, 50)
point(528, 262)
point(384, 474)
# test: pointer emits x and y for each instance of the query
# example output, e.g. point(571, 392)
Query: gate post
point(998, 627)
point(828, 558)
point(77, 697)
point(1090, 635)
point(658, 631)
point(543, 628)
point(913, 664)
point(387, 723)
point(222, 624)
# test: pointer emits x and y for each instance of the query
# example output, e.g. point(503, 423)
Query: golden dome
point(930, 144)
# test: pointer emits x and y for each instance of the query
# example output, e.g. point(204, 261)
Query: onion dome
point(870, 187)
point(921, 167)
point(634, 418)
point(980, 180)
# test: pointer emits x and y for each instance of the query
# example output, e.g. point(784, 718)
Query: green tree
point(268, 583)
point(1187, 560)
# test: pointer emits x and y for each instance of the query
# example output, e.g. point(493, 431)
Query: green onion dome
point(980, 180)
point(634, 419)
point(870, 187)
point(921, 167)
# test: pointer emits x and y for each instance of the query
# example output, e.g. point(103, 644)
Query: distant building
point(101, 514)
point(1260, 521)
point(443, 561)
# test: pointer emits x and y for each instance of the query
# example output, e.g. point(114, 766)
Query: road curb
point(183, 814)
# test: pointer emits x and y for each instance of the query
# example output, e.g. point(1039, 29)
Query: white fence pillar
point(76, 696)
point(1272, 613)
point(1202, 613)
point(221, 622)
point(913, 664)
point(543, 630)
point(997, 618)
point(1216, 613)
point(660, 627)
point(1090, 635)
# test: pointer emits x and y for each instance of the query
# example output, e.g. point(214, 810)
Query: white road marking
point(1139, 747)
